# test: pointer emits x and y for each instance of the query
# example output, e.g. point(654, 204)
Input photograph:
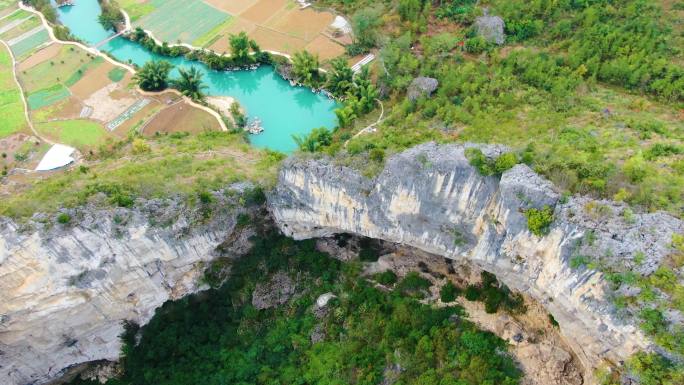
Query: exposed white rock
point(65, 289)
point(431, 198)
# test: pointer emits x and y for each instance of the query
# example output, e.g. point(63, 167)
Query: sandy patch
point(222, 103)
point(92, 81)
point(182, 117)
point(44, 54)
point(271, 40)
point(105, 106)
point(324, 48)
point(305, 24)
point(233, 7)
point(263, 10)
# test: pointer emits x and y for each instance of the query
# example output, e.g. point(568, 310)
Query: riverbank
point(284, 110)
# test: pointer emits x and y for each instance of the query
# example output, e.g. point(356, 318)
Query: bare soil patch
point(325, 48)
point(66, 109)
point(181, 117)
point(306, 24)
point(92, 81)
point(44, 54)
point(233, 7)
point(271, 40)
point(107, 104)
point(263, 10)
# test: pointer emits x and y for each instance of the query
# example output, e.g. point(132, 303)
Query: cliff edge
point(431, 198)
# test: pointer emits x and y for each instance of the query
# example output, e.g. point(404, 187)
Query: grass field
point(136, 9)
point(117, 74)
point(82, 134)
point(175, 164)
point(184, 20)
point(11, 107)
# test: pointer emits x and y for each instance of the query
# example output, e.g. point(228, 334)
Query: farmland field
point(182, 20)
point(27, 44)
point(77, 133)
point(11, 107)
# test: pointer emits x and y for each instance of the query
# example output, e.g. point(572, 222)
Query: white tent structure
point(58, 156)
point(342, 24)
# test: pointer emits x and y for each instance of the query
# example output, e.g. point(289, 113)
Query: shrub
point(386, 278)
point(63, 218)
point(538, 221)
point(449, 292)
point(505, 162)
point(413, 284)
point(486, 166)
point(473, 293)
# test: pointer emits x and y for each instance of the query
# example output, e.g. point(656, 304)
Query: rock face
point(277, 291)
point(65, 289)
point(491, 28)
point(422, 86)
point(431, 198)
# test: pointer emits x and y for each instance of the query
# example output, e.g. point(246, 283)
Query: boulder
point(422, 86)
point(491, 28)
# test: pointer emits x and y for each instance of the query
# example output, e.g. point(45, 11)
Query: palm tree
point(190, 83)
point(154, 75)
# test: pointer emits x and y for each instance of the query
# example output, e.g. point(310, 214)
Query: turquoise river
point(284, 110)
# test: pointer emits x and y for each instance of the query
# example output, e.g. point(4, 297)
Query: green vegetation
point(136, 9)
point(494, 295)
point(566, 107)
point(539, 220)
point(241, 48)
point(189, 83)
point(11, 106)
point(47, 96)
point(63, 218)
point(174, 164)
point(316, 139)
point(486, 166)
point(218, 337)
point(111, 15)
point(116, 74)
point(154, 75)
point(23, 48)
point(305, 68)
point(449, 292)
point(82, 134)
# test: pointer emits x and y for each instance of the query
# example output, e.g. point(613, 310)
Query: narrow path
point(23, 97)
point(370, 127)
point(122, 65)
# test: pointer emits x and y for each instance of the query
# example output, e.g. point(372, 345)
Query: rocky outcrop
point(66, 288)
point(491, 28)
point(422, 87)
point(431, 198)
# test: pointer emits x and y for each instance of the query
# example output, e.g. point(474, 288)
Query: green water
point(283, 110)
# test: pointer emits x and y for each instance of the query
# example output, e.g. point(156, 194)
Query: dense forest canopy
point(218, 337)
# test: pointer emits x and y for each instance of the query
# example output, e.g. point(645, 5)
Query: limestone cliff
point(431, 198)
point(66, 288)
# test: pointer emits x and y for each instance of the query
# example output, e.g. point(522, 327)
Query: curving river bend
point(284, 110)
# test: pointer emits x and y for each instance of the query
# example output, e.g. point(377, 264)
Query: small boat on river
point(254, 127)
